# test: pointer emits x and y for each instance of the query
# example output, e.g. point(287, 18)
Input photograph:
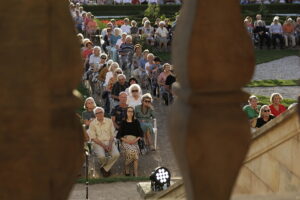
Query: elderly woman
point(148, 32)
point(136, 56)
point(111, 79)
point(104, 70)
point(135, 95)
point(252, 110)
point(289, 32)
point(88, 50)
point(161, 80)
point(162, 35)
point(119, 86)
point(145, 114)
point(91, 26)
point(276, 107)
point(264, 116)
point(113, 66)
point(113, 42)
point(129, 133)
point(88, 115)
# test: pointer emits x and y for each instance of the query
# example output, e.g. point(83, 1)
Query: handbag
point(141, 144)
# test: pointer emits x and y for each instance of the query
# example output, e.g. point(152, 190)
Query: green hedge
point(129, 10)
point(170, 10)
point(270, 8)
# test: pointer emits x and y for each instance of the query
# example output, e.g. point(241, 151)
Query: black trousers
point(264, 37)
point(280, 37)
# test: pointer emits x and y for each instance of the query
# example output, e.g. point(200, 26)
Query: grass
point(265, 55)
point(266, 101)
point(114, 179)
point(262, 56)
point(273, 83)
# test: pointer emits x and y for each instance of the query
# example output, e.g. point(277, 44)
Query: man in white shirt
point(126, 27)
point(162, 35)
point(276, 32)
point(102, 133)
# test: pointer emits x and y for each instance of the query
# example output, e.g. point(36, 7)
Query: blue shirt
point(143, 62)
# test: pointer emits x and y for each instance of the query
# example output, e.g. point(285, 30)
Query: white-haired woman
point(276, 107)
point(114, 39)
point(148, 32)
point(111, 78)
point(145, 114)
point(135, 95)
point(88, 115)
point(264, 116)
point(162, 35)
point(113, 66)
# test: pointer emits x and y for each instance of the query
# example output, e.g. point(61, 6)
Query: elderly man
point(118, 87)
point(119, 111)
point(102, 133)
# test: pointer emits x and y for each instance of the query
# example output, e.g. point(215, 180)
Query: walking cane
point(87, 154)
point(87, 174)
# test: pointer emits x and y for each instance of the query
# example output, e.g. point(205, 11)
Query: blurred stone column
point(213, 57)
point(40, 138)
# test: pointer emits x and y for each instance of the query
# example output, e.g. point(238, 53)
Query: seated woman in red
point(275, 107)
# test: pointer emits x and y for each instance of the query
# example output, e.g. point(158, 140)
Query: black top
point(117, 88)
point(260, 29)
point(260, 121)
point(130, 128)
point(119, 113)
point(170, 80)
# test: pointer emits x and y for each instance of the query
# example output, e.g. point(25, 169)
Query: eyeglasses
point(134, 90)
point(118, 72)
point(98, 113)
point(147, 101)
point(103, 57)
point(266, 110)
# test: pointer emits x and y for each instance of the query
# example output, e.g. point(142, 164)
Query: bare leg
point(126, 169)
point(135, 167)
point(149, 139)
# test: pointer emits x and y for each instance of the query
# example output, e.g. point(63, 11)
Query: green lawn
point(262, 56)
point(265, 55)
point(273, 83)
point(114, 179)
point(266, 100)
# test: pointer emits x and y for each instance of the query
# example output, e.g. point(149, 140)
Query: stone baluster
point(213, 58)
point(41, 143)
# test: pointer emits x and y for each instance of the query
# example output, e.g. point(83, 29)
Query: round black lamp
point(160, 179)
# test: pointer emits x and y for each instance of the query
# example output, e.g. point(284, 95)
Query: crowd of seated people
point(268, 1)
point(126, 2)
point(284, 35)
point(259, 115)
point(127, 79)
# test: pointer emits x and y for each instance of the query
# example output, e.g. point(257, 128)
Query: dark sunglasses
point(134, 90)
point(98, 113)
point(266, 110)
point(119, 72)
point(103, 57)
